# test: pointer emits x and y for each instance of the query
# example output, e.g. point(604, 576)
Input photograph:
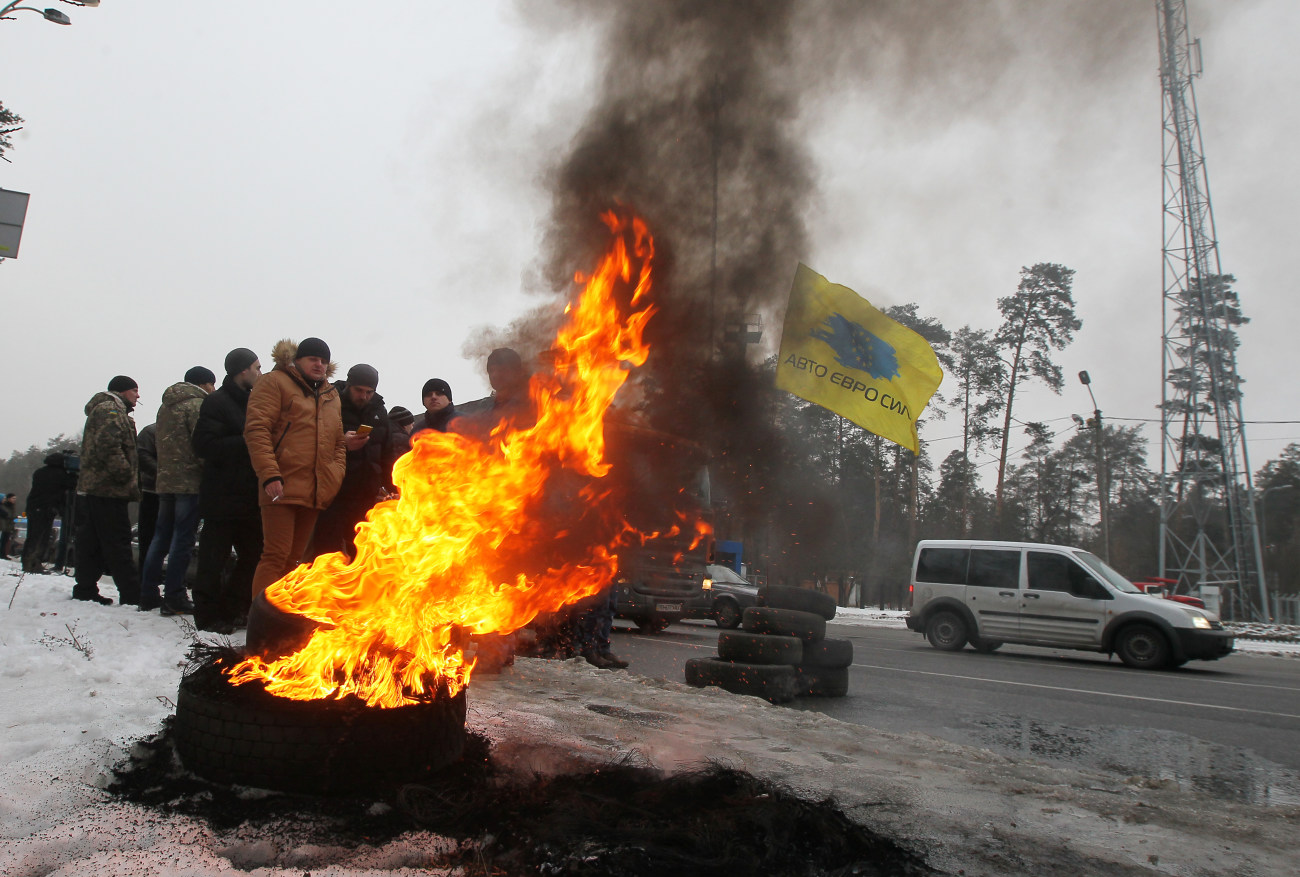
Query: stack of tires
point(781, 651)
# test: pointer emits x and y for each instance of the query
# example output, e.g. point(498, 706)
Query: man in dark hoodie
point(371, 444)
point(108, 483)
point(227, 500)
point(294, 430)
point(438, 408)
point(179, 473)
point(53, 486)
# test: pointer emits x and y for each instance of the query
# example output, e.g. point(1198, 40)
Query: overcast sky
point(207, 176)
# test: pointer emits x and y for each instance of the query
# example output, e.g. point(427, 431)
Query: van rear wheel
point(947, 631)
point(1143, 647)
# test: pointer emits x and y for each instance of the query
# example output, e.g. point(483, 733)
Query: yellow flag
point(839, 352)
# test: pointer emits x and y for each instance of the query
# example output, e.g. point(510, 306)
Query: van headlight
point(708, 584)
point(1201, 622)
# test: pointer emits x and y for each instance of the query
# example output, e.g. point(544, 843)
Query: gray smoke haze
point(697, 95)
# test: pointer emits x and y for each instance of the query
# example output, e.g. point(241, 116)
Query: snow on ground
point(80, 682)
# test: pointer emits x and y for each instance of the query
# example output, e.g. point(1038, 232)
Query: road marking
point(1231, 709)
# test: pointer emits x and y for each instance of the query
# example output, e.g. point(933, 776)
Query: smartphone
point(364, 429)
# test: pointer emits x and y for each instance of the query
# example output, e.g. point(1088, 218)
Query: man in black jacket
point(371, 453)
point(53, 488)
point(228, 500)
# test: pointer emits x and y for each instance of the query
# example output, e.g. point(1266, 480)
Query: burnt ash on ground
point(615, 820)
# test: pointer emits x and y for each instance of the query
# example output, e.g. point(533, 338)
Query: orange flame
point(472, 542)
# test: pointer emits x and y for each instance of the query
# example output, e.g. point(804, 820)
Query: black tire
point(829, 653)
point(726, 613)
point(1143, 647)
point(821, 681)
point(772, 682)
point(274, 633)
point(985, 646)
point(946, 630)
point(784, 622)
point(759, 648)
point(799, 599)
point(243, 735)
point(652, 625)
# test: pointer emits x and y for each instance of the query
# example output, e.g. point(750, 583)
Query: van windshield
point(1116, 581)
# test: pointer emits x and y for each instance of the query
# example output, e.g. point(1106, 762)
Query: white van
point(990, 593)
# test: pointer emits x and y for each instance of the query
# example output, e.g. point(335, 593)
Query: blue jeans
point(173, 538)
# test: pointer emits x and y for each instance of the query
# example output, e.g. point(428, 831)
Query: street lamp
point(1103, 488)
point(53, 15)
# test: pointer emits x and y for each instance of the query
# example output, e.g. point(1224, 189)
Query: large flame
point(483, 536)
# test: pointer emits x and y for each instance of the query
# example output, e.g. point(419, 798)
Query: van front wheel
point(1143, 647)
point(946, 631)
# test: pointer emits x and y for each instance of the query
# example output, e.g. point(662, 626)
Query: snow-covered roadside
point(79, 682)
point(1279, 640)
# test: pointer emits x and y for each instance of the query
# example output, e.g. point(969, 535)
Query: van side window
point(942, 566)
point(1049, 572)
point(1056, 572)
point(994, 568)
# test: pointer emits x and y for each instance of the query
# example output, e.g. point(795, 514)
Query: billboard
point(13, 210)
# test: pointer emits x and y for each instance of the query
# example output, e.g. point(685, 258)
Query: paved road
point(1230, 726)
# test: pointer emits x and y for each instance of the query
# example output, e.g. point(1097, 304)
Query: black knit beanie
point(239, 359)
point(436, 384)
point(400, 416)
point(313, 347)
point(121, 384)
point(200, 375)
point(362, 375)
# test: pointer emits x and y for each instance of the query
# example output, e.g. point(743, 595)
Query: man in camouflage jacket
point(179, 473)
point(109, 480)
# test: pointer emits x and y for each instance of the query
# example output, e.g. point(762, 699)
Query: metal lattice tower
point(1208, 534)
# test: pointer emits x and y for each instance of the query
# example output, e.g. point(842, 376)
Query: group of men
point(279, 467)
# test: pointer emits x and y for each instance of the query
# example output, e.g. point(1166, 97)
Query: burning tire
point(773, 682)
point(273, 633)
point(822, 681)
point(243, 735)
point(800, 599)
point(808, 626)
point(759, 648)
point(828, 653)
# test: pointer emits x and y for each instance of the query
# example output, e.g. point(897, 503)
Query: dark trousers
point(4, 542)
point(145, 525)
point(336, 528)
point(104, 543)
point(221, 599)
point(40, 523)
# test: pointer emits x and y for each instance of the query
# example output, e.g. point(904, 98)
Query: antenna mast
point(1208, 533)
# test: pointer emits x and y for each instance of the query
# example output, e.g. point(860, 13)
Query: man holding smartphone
point(368, 434)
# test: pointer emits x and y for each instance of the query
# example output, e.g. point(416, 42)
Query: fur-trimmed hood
point(286, 350)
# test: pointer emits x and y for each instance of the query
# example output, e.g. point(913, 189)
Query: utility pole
point(1208, 533)
point(1103, 477)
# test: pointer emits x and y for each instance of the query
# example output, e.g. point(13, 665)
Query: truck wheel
point(772, 682)
point(726, 613)
point(946, 631)
point(985, 646)
point(1143, 647)
point(652, 625)
point(801, 599)
point(759, 648)
point(808, 626)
